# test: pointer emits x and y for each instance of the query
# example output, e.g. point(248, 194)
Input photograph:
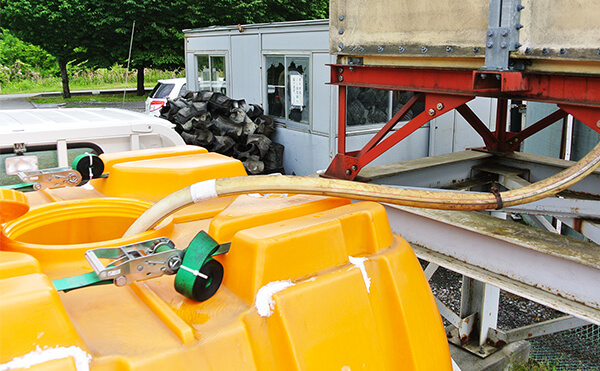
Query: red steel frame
point(443, 90)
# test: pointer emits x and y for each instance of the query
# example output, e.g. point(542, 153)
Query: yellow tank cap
point(13, 204)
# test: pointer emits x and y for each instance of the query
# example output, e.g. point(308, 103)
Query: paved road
point(19, 101)
point(15, 101)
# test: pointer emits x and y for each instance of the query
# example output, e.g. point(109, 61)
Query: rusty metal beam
point(556, 88)
point(391, 124)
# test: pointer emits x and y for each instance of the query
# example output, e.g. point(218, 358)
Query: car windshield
point(161, 90)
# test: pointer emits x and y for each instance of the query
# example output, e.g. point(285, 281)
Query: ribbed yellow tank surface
point(310, 282)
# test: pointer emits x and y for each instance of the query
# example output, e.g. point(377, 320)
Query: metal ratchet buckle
point(136, 262)
point(57, 177)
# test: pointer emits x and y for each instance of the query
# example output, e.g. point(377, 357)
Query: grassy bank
point(115, 77)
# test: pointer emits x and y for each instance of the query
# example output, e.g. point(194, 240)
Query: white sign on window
point(297, 89)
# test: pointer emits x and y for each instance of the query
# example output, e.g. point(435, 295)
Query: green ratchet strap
point(200, 276)
point(83, 280)
point(89, 166)
point(18, 186)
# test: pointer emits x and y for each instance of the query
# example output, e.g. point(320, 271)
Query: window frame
point(284, 121)
point(210, 54)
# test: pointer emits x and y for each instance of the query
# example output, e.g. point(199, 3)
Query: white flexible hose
point(434, 199)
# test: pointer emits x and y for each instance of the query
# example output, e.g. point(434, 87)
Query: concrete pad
point(498, 361)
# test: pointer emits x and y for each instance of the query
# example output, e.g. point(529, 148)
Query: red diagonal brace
point(588, 115)
point(345, 166)
point(390, 125)
point(517, 139)
point(488, 137)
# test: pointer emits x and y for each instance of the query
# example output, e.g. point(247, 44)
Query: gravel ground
point(514, 311)
point(577, 349)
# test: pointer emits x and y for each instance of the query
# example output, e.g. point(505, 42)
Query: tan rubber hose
point(433, 199)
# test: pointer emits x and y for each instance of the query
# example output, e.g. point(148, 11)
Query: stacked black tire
point(370, 106)
point(227, 126)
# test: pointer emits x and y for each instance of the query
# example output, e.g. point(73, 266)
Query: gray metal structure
point(543, 266)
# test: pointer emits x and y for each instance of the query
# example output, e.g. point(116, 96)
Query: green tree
point(286, 10)
point(158, 36)
point(12, 49)
point(228, 12)
point(158, 39)
point(99, 30)
point(54, 25)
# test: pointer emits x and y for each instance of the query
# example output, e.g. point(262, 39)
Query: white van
point(170, 88)
point(52, 138)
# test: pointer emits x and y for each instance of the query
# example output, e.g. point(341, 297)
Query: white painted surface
point(245, 78)
point(360, 264)
point(304, 152)
point(109, 128)
point(38, 356)
point(208, 43)
point(264, 302)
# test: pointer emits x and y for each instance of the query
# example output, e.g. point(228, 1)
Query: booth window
point(288, 87)
point(211, 73)
point(368, 106)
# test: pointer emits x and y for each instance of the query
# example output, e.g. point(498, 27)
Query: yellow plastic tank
point(59, 233)
point(310, 283)
point(12, 204)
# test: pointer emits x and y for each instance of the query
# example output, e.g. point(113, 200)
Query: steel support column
point(342, 120)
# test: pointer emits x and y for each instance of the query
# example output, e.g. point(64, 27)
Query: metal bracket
point(51, 178)
point(136, 262)
point(504, 81)
point(19, 148)
point(497, 48)
point(502, 35)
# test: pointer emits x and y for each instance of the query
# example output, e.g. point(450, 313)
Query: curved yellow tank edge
point(310, 282)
